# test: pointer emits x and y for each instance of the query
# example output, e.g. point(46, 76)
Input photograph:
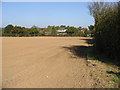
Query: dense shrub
point(107, 28)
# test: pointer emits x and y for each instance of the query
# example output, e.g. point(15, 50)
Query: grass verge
point(105, 72)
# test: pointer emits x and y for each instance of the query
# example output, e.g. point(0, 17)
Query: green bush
point(107, 28)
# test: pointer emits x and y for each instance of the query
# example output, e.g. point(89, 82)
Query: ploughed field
point(45, 62)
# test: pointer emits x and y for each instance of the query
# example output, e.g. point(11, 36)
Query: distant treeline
point(107, 28)
point(18, 31)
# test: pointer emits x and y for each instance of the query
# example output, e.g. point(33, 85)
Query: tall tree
point(107, 26)
point(8, 28)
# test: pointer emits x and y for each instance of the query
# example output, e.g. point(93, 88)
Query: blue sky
point(43, 14)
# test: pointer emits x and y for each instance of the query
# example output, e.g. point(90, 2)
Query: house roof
point(63, 30)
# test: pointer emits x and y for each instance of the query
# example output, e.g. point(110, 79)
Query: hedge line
point(107, 30)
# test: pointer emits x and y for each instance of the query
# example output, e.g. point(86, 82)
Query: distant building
point(62, 32)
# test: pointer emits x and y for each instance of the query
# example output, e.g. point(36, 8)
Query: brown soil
point(46, 62)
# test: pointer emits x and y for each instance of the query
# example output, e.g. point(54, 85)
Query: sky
point(43, 14)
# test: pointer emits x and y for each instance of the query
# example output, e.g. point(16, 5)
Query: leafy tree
point(26, 32)
point(91, 30)
point(57, 27)
point(17, 30)
point(71, 30)
point(107, 26)
point(62, 26)
point(54, 31)
point(34, 30)
point(8, 28)
point(80, 33)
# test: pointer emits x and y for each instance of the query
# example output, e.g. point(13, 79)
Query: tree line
point(19, 31)
point(107, 28)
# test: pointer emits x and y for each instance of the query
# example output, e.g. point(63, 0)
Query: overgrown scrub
point(107, 28)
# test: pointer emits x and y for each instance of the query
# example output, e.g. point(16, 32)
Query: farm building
point(62, 32)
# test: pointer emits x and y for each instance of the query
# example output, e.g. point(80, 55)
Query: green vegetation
point(107, 29)
point(0, 31)
point(19, 31)
point(103, 70)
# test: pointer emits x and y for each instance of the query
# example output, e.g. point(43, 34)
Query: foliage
point(8, 28)
point(34, 31)
point(107, 28)
point(50, 31)
point(91, 30)
point(71, 31)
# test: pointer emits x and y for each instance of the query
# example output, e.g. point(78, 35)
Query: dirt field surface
point(46, 62)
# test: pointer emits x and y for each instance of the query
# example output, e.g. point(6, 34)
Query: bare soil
point(46, 62)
